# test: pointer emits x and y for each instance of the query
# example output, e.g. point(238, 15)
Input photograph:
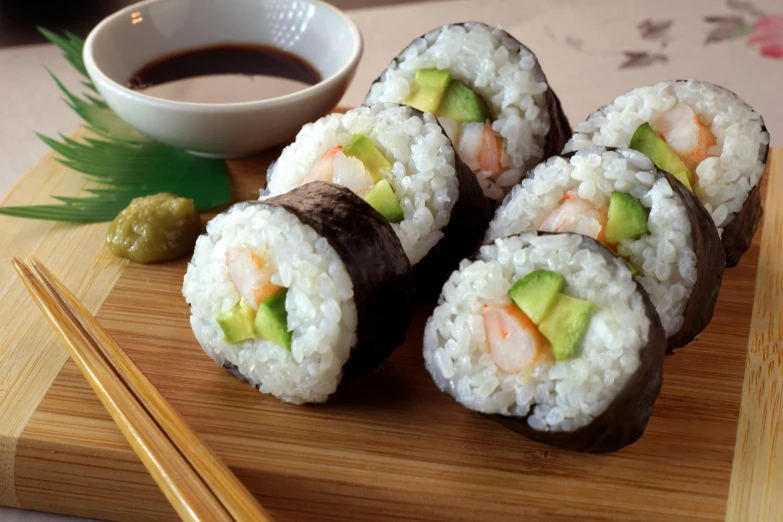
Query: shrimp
point(323, 168)
point(336, 167)
point(514, 341)
point(482, 149)
point(577, 215)
point(350, 172)
point(252, 277)
point(685, 134)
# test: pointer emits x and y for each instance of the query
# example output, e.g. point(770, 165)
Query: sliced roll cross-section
point(703, 134)
point(298, 291)
point(550, 335)
point(489, 93)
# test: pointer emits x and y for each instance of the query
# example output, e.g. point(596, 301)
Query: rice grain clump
point(665, 256)
point(621, 350)
point(524, 111)
point(423, 174)
point(441, 214)
point(734, 166)
point(320, 306)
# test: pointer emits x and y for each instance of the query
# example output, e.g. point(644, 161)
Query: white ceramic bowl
point(131, 38)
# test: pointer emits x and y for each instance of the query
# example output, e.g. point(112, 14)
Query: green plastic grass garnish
point(124, 161)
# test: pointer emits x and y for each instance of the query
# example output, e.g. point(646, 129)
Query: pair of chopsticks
point(194, 480)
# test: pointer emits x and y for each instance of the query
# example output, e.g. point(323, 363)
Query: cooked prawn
point(577, 215)
point(685, 134)
point(482, 149)
point(323, 168)
point(514, 341)
point(252, 277)
point(336, 167)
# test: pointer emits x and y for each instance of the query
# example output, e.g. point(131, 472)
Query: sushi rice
point(497, 67)
point(423, 174)
point(665, 256)
point(319, 302)
point(736, 162)
point(557, 395)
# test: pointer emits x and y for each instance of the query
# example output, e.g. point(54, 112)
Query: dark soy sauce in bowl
point(225, 73)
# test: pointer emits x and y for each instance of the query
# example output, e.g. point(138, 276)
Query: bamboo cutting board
point(388, 446)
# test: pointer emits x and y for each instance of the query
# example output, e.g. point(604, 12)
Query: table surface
point(591, 51)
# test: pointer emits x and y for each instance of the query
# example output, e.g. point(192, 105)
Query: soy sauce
point(225, 73)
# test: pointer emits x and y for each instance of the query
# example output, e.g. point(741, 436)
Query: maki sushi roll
point(298, 291)
point(489, 93)
point(703, 134)
point(550, 335)
point(402, 163)
point(619, 198)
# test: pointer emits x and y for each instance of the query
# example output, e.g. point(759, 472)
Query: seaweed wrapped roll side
point(489, 93)
point(619, 197)
point(705, 135)
point(295, 292)
point(402, 163)
point(551, 335)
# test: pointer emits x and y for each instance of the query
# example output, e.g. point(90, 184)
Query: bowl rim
point(324, 85)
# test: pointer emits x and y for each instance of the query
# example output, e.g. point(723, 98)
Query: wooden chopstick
point(197, 484)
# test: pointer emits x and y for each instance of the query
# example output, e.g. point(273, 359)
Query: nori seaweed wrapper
point(624, 421)
point(710, 262)
point(559, 130)
point(461, 236)
point(373, 256)
point(738, 233)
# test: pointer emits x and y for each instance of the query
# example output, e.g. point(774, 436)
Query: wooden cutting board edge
point(757, 463)
point(31, 355)
point(757, 470)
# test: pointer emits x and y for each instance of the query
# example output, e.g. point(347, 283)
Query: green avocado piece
point(272, 320)
point(565, 325)
point(536, 293)
point(383, 199)
point(365, 151)
point(237, 323)
point(429, 87)
point(626, 219)
point(649, 143)
point(461, 103)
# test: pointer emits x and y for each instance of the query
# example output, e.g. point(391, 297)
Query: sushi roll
point(403, 164)
point(551, 336)
point(619, 198)
point(489, 93)
point(298, 291)
point(705, 135)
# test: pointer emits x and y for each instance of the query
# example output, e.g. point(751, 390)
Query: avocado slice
point(429, 87)
point(565, 325)
point(272, 320)
point(237, 323)
point(383, 199)
point(461, 103)
point(365, 151)
point(626, 219)
point(649, 143)
point(536, 293)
